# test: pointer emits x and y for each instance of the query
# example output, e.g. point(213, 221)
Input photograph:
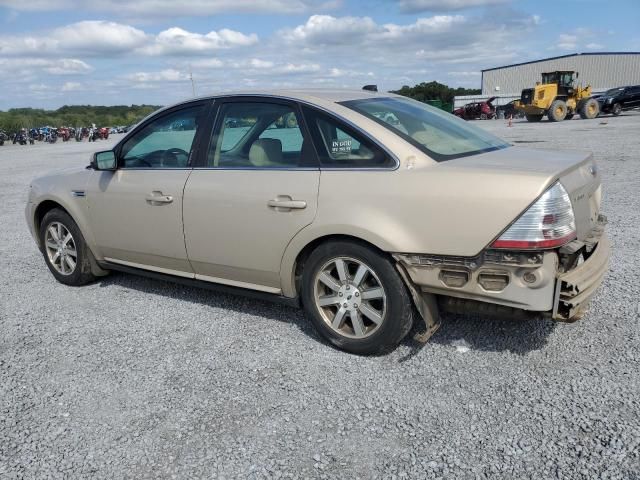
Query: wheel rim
point(592, 108)
point(350, 297)
point(61, 248)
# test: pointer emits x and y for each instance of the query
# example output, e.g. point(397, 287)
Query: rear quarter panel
point(434, 208)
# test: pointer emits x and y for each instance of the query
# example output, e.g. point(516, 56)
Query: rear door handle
point(158, 197)
point(287, 204)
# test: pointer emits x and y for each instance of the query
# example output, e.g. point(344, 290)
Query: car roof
point(312, 96)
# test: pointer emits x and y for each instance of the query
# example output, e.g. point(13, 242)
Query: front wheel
point(589, 108)
point(557, 111)
point(617, 109)
point(356, 298)
point(64, 249)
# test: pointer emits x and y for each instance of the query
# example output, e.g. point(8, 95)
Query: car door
point(136, 210)
point(633, 97)
point(257, 187)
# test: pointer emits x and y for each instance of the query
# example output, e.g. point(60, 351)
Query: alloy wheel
point(350, 297)
point(61, 248)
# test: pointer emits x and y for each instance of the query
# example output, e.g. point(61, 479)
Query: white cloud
point(579, 38)
point(67, 66)
point(176, 41)
point(171, 8)
point(71, 86)
point(567, 41)
point(93, 38)
point(99, 38)
point(168, 75)
point(414, 6)
point(325, 29)
point(25, 67)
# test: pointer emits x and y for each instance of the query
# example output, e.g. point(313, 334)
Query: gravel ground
point(136, 378)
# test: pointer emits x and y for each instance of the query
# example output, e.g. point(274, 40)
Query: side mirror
point(104, 160)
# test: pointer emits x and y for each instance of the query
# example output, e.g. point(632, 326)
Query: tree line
point(434, 92)
point(73, 116)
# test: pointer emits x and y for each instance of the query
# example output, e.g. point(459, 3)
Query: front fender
point(67, 189)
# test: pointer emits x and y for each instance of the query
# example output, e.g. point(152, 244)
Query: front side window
point(257, 135)
point(163, 143)
point(340, 146)
point(439, 134)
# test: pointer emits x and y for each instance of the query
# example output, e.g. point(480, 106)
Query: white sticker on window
point(341, 146)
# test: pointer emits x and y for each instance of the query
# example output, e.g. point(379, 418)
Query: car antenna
point(371, 88)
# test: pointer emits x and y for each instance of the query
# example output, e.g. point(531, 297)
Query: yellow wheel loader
point(558, 98)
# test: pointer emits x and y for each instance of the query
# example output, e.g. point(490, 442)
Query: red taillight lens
point(548, 223)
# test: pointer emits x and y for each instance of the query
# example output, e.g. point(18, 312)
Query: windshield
point(613, 92)
point(439, 134)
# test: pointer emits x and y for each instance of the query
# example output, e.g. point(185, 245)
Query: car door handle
point(158, 197)
point(287, 204)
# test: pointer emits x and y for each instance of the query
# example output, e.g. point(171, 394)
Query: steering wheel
point(174, 152)
point(143, 161)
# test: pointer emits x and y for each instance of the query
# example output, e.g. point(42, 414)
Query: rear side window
point(257, 135)
point(340, 146)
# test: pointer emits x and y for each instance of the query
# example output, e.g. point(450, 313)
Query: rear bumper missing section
point(531, 281)
point(575, 288)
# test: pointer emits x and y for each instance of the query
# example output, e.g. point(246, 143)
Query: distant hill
point(74, 116)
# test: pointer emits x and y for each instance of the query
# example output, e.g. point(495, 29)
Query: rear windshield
point(439, 134)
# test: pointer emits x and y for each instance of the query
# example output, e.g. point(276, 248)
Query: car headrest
point(265, 152)
point(422, 136)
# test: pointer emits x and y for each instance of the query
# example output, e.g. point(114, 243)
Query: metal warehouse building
point(601, 70)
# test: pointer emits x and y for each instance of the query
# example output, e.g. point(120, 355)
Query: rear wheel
point(557, 111)
point(617, 109)
point(356, 298)
point(64, 249)
point(533, 118)
point(589, 108)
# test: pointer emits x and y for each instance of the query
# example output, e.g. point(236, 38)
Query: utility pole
point(193, 85)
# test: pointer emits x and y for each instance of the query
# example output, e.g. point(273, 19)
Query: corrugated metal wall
point(601, 71)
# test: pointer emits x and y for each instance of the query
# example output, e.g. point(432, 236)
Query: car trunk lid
point(576, 171)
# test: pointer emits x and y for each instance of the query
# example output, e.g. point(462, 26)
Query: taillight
point(548, 223)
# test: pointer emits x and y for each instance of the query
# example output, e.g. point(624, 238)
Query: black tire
point(533, 118)
point(397, 319)
point(589, 109)
point(81, 275)
point(617, 109)
point(557, 111)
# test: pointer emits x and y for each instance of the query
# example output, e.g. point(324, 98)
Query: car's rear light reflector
point(454, 278)
point(493, 281)
point(548, 223)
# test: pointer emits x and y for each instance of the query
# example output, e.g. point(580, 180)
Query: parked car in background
point(509, 110)
point(359, 220)
point(616, 100)
point(477, 110)
point(3, 137)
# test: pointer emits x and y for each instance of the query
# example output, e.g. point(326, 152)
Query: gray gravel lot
point(137, 378)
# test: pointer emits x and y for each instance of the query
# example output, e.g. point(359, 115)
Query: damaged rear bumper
point(575, 288)
point(508, 283)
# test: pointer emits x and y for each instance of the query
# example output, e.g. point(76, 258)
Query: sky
point(114, 52)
